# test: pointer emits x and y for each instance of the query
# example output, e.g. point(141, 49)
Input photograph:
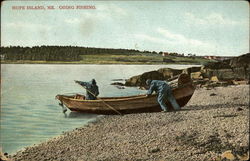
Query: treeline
point(57, 53)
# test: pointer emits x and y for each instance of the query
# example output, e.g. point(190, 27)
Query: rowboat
point(128, 104)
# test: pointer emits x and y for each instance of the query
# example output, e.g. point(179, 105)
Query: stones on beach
point(4, 156)
point(228, 155)
point(196, 75)
point(212, 94)
point(208, 127)
point(214, 79)
point(154, 150)
point(244, 156)
point(239, 109)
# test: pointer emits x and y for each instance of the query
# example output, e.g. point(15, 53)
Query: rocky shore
point(214, 125)
point(228, 72)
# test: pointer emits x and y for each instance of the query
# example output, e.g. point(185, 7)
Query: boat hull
point(125, 105)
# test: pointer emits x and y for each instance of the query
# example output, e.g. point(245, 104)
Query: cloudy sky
point(197, 27)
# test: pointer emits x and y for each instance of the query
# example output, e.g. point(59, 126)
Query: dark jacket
point(158, 86)
point(92, 90)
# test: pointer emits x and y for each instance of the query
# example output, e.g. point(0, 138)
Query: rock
point(120, 87)
point(218, 65)
point(117, 80)
point(239, 109)
point(154, 150)
point(169, 72)
point(196, 75)
point(161, 74)
point(192, 70)
point(235, 82)
point(214, 79)
point(222, 74)
point(175, 149)
point(228, 155)
point(200, 82)
point(132, 81)
point(117, 83)
point(241, 61)
point(235, 68)
point(140, 80)
point(244, 157)
point(3, 155)
point(213, 94)
point(241, 72)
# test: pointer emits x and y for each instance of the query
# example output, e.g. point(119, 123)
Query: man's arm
point(82, 83)
point(151, 88)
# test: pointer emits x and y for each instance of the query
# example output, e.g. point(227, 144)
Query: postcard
point(124, 80)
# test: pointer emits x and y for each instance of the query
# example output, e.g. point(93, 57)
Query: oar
point(112, 108)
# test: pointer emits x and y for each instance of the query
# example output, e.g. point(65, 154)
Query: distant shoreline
point(102, 63)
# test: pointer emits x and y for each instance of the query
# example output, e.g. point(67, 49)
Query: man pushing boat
point(164, 92)
point(92, 90)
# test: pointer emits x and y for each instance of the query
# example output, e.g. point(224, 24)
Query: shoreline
point(92, 63)
point(54, 137)
point(222, 113)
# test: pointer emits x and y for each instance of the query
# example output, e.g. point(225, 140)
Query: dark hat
point(93, 81)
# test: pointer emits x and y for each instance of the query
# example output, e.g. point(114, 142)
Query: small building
point(165, 54)
point(220, 58)
point(210, 57)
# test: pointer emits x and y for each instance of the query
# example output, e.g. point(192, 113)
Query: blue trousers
point(164, 95)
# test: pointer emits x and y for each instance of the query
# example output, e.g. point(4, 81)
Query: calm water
point(29, 112)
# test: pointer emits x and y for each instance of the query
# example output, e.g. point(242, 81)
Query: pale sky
point(197, 27)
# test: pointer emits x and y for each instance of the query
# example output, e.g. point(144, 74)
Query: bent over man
point(92, 90)
point(164, 93)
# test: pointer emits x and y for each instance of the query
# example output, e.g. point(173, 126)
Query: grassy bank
point(119, 59)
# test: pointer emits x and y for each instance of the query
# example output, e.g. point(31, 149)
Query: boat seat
point(78, 96)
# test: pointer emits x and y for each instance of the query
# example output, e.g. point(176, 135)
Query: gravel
point(210, 124)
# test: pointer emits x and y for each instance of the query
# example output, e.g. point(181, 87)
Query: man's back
point(158, 85)
point(93, 90)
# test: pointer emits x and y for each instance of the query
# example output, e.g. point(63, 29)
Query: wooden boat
point(128, 104)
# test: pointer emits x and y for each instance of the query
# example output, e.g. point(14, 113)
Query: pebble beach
point(215, 121)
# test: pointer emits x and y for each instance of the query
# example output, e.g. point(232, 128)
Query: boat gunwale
point(122, 98)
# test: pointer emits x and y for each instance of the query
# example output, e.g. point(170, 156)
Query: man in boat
point(164, 92)
point(92, 90)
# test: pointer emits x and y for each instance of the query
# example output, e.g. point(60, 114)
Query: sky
point(198, 27)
